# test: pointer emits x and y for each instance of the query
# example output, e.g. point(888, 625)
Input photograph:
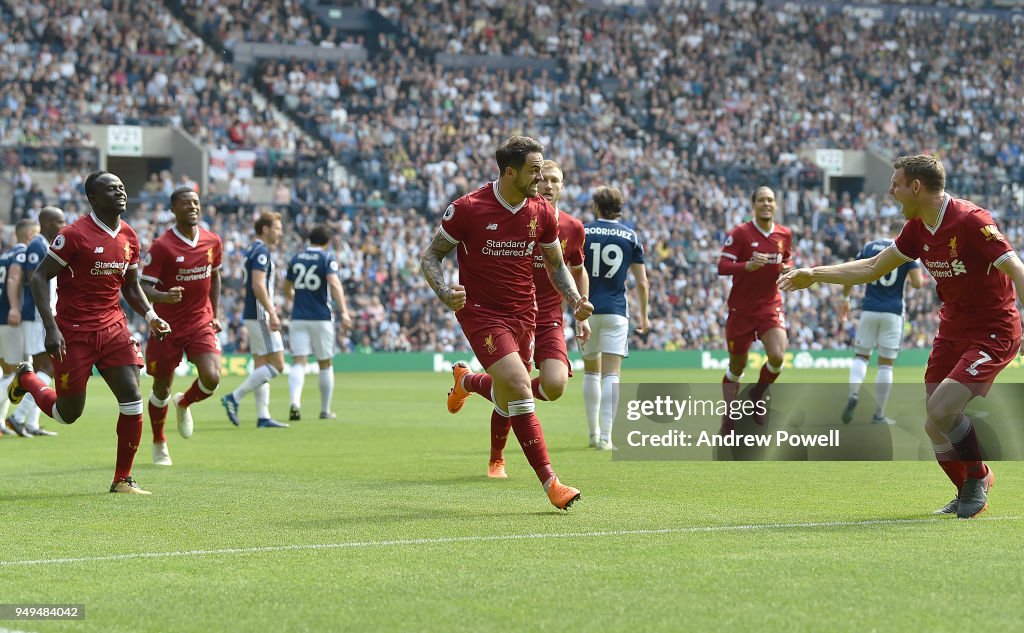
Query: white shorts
point(12, 344)
point(35, 337)
point(312, 337)
point(609, 334)
point(261, 340)
point(883, 330)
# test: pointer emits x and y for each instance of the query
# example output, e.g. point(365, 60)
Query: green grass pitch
point(384, 520)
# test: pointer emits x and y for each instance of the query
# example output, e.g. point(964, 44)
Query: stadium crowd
point(121, 62)
point(684, 111)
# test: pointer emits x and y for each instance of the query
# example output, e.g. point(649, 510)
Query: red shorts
point(741, 329)
point(109, 347)
point(163, 357)
point(494, 337)
point(549, 343)
point(974, 363)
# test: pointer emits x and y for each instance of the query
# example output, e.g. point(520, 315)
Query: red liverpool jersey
point(961, 252)
point(174, 260)
point(755, 292)
point(95, 259)
point(496, 244)
point(571, 238)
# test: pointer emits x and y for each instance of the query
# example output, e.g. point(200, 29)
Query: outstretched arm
point(1014, 269)
point(860, 271)
point(430, 263)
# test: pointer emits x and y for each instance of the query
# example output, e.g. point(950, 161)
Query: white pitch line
point(485, 538)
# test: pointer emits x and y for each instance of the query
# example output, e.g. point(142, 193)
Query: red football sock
point(44, 396)
point(527, 429)
point(969, 452)
point(129, 434)
point(535, 386)
point(194, 394)
point(157, 418)
point(765, 378)
point(479, 383)
point(954, 469)
point(500, 426)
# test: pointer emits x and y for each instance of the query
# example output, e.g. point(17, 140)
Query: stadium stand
point(685, 110)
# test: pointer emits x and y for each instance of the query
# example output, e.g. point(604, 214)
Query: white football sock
point(609, 401)
point(262, 395)
point(296, 379)
point(259, 376)
point(858, 370)
point(883, 387)
point(592, 401)
point(326, 389)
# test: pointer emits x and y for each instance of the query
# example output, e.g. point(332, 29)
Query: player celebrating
point(94, 260)
point(25, 418)
point(182, 278)
point(610, 245)
point(12, 343)
point(754, 254)
point(549, 352)
point(262, 322)
point(881, 326)
point(976, 272)
point(496, 229)
point(310, 274)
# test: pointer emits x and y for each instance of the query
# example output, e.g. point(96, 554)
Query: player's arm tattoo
point(430, 264)
point(559, 274)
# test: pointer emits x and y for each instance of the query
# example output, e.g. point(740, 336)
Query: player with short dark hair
point(261, 320)
point(754, 254)
point(181, 276)
point(612, 250)
point(976, 272)
point(549, 351)
point(95, 260)
point(880, 326)
point(496, 229)
point(313, 273)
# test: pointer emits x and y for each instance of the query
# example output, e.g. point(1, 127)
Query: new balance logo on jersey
point(179, 258)
point(492, 227)
point(99, 249)
point(991, 233)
